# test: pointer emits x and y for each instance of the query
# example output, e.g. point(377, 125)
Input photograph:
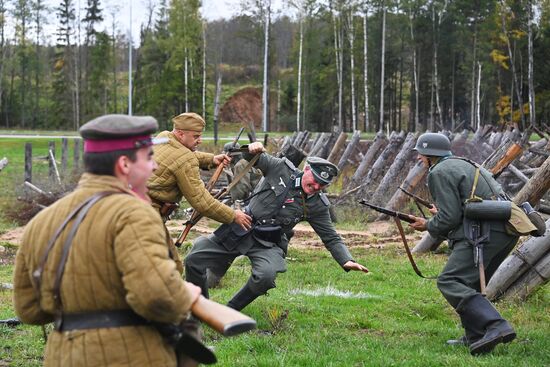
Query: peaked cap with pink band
point(110, 133)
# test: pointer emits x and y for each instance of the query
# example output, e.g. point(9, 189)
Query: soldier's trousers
point(209, 252)
point(459, 280)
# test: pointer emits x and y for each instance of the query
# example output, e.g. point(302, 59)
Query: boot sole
point(489, 345)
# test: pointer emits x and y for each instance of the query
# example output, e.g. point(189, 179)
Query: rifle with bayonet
point(195, 215)
point(391, 213)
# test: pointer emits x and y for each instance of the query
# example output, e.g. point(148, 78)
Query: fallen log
point(416, 175)
point(394, 175)
point(520, 260)
point(537, 186)
point(383, 161)
point(427, 243)
point(530, 281)
point(338, 148)
point(379, 143)
point(345, 158)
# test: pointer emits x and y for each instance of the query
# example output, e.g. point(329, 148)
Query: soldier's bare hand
point(256, 147)
point(193, 290)
point(352, 265)
point(243, 219)
point(433, 210)
point(221, 159)
point(419, 224)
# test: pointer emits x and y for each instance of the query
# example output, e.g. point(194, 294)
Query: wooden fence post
point(76, 155)
point(28, 162)
point(51, 160)
point(64, 152)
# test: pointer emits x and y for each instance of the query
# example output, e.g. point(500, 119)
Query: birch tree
point(365, 64)
point(436, 24)
point(265, 94)
point(382, 68)
point(532, 117)
point(3, 50)
point(351, 38)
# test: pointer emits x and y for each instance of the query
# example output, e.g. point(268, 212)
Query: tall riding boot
point(242, 298)
point(479, 312)
point(472, 333)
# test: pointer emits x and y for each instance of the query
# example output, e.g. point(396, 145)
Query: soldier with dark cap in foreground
point(104, 277)
point(451, 181)
point(286, 197)
point(178, 173)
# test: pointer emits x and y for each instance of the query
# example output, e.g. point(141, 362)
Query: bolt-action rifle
point(407, 218)
point(418, 201)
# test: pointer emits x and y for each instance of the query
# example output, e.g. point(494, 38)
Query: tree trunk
point(537, 186)
point(416, 175)
point(365, 68)
point(204, 70)
point(338, 148)
point(379, 143)
point(380, 166)
point(351, 37)
point(532, 111)
point(217, 105)
point(265, 97)
point(299, 96)
point(531, 280)
point(382, 66)
point(344, 160)
point(502, 157)
point(427, 243)
point(394, 175)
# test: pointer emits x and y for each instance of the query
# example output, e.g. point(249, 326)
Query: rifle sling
point(409, 254)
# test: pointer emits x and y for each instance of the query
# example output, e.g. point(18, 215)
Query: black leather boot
point(480, 312)
point(472, 332)
point(242, 298)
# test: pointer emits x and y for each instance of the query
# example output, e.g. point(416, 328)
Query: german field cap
point(110, 133)
point(323, 171)
point(189, 121)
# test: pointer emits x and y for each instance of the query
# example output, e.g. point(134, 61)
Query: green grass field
point(391, 318)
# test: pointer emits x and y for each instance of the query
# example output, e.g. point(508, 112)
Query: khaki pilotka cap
point(323, 171)
point(110, 133)
point(189, 121)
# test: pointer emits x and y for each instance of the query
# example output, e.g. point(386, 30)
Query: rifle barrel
point(392, 213)
point(418, 199)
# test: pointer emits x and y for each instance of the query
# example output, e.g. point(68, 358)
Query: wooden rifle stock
point(223, 319)
point(392, 213)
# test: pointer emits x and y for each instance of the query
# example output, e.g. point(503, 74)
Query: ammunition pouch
point(231, 235)
point(488, 210)
point(268, 232)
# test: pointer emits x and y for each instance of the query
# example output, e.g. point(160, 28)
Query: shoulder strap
point(82, 209)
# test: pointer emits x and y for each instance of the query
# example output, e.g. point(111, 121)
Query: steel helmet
point(228, 146)
point(433, 144)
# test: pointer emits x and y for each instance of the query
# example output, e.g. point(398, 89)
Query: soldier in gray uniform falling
point(285, 197)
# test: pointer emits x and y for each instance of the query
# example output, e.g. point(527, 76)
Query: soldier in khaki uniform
point(178, 174)
point(451, 180)
point(117, 275)
point(286, 197)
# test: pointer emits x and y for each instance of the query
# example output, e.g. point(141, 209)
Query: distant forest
point(328, 64)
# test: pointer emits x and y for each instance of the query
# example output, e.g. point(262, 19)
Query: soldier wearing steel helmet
point(286, 197)
point(450, 181)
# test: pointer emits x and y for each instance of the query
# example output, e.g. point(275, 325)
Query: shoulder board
point(475, 164)
point(289, 164)
point(324, 199)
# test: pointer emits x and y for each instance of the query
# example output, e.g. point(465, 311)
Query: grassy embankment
point(392, 317)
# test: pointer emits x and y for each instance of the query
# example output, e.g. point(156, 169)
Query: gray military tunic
point(450, 183)
point(267, 207)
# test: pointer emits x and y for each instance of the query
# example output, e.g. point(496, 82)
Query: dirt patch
point(244, 106)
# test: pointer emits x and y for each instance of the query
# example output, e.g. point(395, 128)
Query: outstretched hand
point(352, 265)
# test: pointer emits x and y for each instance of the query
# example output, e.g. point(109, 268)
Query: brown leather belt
point(98, 320)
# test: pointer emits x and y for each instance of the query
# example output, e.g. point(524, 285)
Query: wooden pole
point(64, 154)
point(28, 162)
point(537, 186)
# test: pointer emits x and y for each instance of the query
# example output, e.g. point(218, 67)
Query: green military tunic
point(247, 183)
point(267, 207)
point(450, 183)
